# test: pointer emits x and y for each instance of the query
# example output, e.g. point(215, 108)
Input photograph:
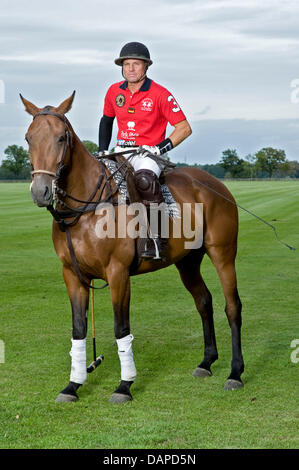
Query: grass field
point(171, 409)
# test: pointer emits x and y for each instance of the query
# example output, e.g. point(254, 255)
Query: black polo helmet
point(134, 50)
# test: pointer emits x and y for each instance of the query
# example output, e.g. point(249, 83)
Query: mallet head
point(95, 364)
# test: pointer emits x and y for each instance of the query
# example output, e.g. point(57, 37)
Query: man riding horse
point(143, 108)
point(66, 174)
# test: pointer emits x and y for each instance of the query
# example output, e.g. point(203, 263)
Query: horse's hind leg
point(189, 269)
point(223, 259)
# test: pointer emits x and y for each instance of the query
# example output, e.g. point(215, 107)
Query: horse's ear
point(30, 107)
point(66, 105)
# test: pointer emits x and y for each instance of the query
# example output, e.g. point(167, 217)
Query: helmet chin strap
point(142, 78)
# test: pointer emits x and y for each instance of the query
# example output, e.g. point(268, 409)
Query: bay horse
point(58, 155)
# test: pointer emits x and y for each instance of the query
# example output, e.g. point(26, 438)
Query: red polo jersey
point(142, 117)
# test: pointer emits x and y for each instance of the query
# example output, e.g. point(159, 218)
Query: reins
point(249, 212)
point(103, 182)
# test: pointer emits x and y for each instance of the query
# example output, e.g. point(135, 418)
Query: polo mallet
point(96, 360)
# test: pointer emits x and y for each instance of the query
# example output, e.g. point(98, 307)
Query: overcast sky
point(230, 64)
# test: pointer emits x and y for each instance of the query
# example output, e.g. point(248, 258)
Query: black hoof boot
point(68, 393)
point(122, 394)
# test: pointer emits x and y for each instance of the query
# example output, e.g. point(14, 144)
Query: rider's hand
point(152, 149)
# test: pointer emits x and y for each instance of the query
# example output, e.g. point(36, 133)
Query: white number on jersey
point(176, 107)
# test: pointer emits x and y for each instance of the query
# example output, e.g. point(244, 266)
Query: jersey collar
point(145, 86)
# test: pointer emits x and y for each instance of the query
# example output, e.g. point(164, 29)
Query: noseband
point(67, 143)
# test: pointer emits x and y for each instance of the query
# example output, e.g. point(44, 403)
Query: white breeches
point(125, 354)
point(140, 162)
point(78, 355)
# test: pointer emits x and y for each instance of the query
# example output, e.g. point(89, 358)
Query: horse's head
point(49, 138)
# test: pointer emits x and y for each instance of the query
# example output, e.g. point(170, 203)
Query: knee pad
point(148, 186)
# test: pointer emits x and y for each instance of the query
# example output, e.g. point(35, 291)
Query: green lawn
point(171, 409)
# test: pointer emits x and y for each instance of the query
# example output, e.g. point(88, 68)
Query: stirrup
point(153, 250)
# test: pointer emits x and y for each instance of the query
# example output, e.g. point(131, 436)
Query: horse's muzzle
point(41, 190)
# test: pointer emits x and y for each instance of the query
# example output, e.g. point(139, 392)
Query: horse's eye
point(61, 138)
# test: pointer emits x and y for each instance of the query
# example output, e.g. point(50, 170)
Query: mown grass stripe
point(171, 409)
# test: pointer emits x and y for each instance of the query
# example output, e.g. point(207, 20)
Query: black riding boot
point(149, 189)
point(155, 245)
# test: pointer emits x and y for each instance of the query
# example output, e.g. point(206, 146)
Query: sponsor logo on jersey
point(131, 132)
point(147, 104)
point(120, 100)
point(131, 125)
point(128, 143)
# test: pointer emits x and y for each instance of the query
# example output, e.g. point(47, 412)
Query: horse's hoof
point(232, 384)
point(200, 372)
point(63, 398)
point(120, 398)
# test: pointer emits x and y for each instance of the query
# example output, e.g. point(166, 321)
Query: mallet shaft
point(93, 323)
point(96, 360)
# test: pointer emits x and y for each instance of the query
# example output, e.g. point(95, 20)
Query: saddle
point(123, 175)
point(125, 178)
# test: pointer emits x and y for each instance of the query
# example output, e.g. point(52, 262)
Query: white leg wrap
point(125, 354)
point(78, 355)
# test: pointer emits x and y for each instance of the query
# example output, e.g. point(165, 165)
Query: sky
point(233, 66)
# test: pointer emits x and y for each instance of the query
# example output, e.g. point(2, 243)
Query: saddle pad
point(172, 210)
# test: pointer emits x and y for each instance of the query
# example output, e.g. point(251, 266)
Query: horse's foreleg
point(119, 282)
point(224, 261)
point(79, 297)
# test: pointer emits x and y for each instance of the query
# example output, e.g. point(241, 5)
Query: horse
point(58, 156)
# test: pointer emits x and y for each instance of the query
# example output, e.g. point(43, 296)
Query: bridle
point(73, 214)
point(66, 211)
point(68, 142)
point(50, 173)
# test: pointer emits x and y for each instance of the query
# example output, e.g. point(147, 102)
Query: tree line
point(268, 162)
point(16, 163)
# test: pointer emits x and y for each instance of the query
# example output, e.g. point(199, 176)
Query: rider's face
point(133, 70)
